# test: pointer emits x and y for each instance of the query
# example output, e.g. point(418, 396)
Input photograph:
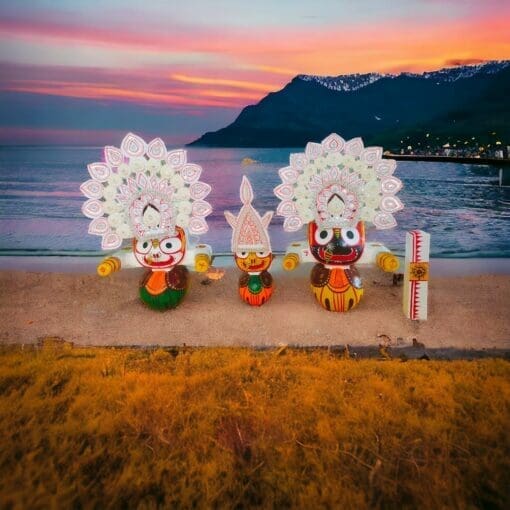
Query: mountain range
point(460, 103)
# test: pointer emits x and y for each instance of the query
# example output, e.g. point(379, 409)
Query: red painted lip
point(166, 263)
point(258, 266)
point(337, 259)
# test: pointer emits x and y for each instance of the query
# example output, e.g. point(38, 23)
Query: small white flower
point(309, 170)
point(110, 192)
point(372, 188)
point(367, 214)
point(124, 170)
point(372, 200)
point(115, 220)
point(321, 162)
point(182, 220)
point(184, 207)
point(348, 161)
point(112, 206)
point(182, 193)
point(166, 172)
point(124, 231)
point(114, 180)
point(137, 164)
point(177, 181)
point(367, 173)
point(334, 159)
point(306, 215)
point(302, 181)
point(153, 166)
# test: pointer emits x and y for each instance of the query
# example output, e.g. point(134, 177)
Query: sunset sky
point(85, 72)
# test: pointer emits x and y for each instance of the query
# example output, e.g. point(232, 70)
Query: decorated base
point(256, 289)
point(163, 290)
point(337, 290)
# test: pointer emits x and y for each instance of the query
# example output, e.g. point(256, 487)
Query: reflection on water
point(460, 205)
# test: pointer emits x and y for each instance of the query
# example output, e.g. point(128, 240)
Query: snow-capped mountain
point(465, 102)
point(352, 82)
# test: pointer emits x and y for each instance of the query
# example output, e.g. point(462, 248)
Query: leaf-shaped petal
point(191, 173)
point(385, 167)
point(156, 149)
point(92, 208)
point(354, 147)
point(391, 185)
point(384, 220)
point(246, 191)
point(201, 208)
point(197, 226)
point(371, 154)
point(99, 227)
point(92, 189)
point(113, 156)
point(391, 204)
point(176, 158)
point(288, 175)
point(286, 208)
point(99, 171)
point(333, 143)
point(298, 161)
point(284, 191)
point(313, 150)
point(292, 223)
point(133, 145)
point(199, 190)
point(111, 241)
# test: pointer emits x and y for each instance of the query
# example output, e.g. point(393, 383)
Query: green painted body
point(166, 300)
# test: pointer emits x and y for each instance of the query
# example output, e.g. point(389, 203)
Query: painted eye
point(350, 236)
point(143, 246)
point(262, 254)
point(170, 244)
point(241, 254)
point(323, 236)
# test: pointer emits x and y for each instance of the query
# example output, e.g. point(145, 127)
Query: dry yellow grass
point(235, 428)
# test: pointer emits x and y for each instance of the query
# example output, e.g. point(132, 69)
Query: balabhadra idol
point(152, 199)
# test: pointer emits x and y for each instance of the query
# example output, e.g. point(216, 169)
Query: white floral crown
point(338, 183)
point(138, 176)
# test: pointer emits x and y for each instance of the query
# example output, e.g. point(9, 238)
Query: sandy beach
point(464, 312)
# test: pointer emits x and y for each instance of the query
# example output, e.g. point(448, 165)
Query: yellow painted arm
point(388, 262)
point(202, 262)
point(290, 261)
point(108, 266)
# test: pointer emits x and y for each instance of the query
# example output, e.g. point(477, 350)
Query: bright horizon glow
point(210, 59)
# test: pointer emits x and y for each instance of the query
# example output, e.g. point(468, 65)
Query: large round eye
point(262, 254)
point(170, 244)
point(323, 235)
point(241, 254)
point(143, 246)
point(350, 236)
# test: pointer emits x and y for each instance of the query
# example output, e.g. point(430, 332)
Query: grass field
point(236, 428)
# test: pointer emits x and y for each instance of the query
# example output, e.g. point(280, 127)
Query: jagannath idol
point(333, 189)
point(153, 198)
point(252, 249)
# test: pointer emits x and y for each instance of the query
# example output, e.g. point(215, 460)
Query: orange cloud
point(265, 87)
point(90, 91)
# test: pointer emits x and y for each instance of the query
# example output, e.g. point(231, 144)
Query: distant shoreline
point(448, 159)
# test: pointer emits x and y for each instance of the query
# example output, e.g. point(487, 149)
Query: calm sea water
point(462, 207)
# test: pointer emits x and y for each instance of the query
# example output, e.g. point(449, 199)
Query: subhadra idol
point(334, 188)
point(252, 249)
point(153, 198)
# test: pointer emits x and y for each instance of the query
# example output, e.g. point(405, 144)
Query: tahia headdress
point(249, 230)
point(141, 190)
